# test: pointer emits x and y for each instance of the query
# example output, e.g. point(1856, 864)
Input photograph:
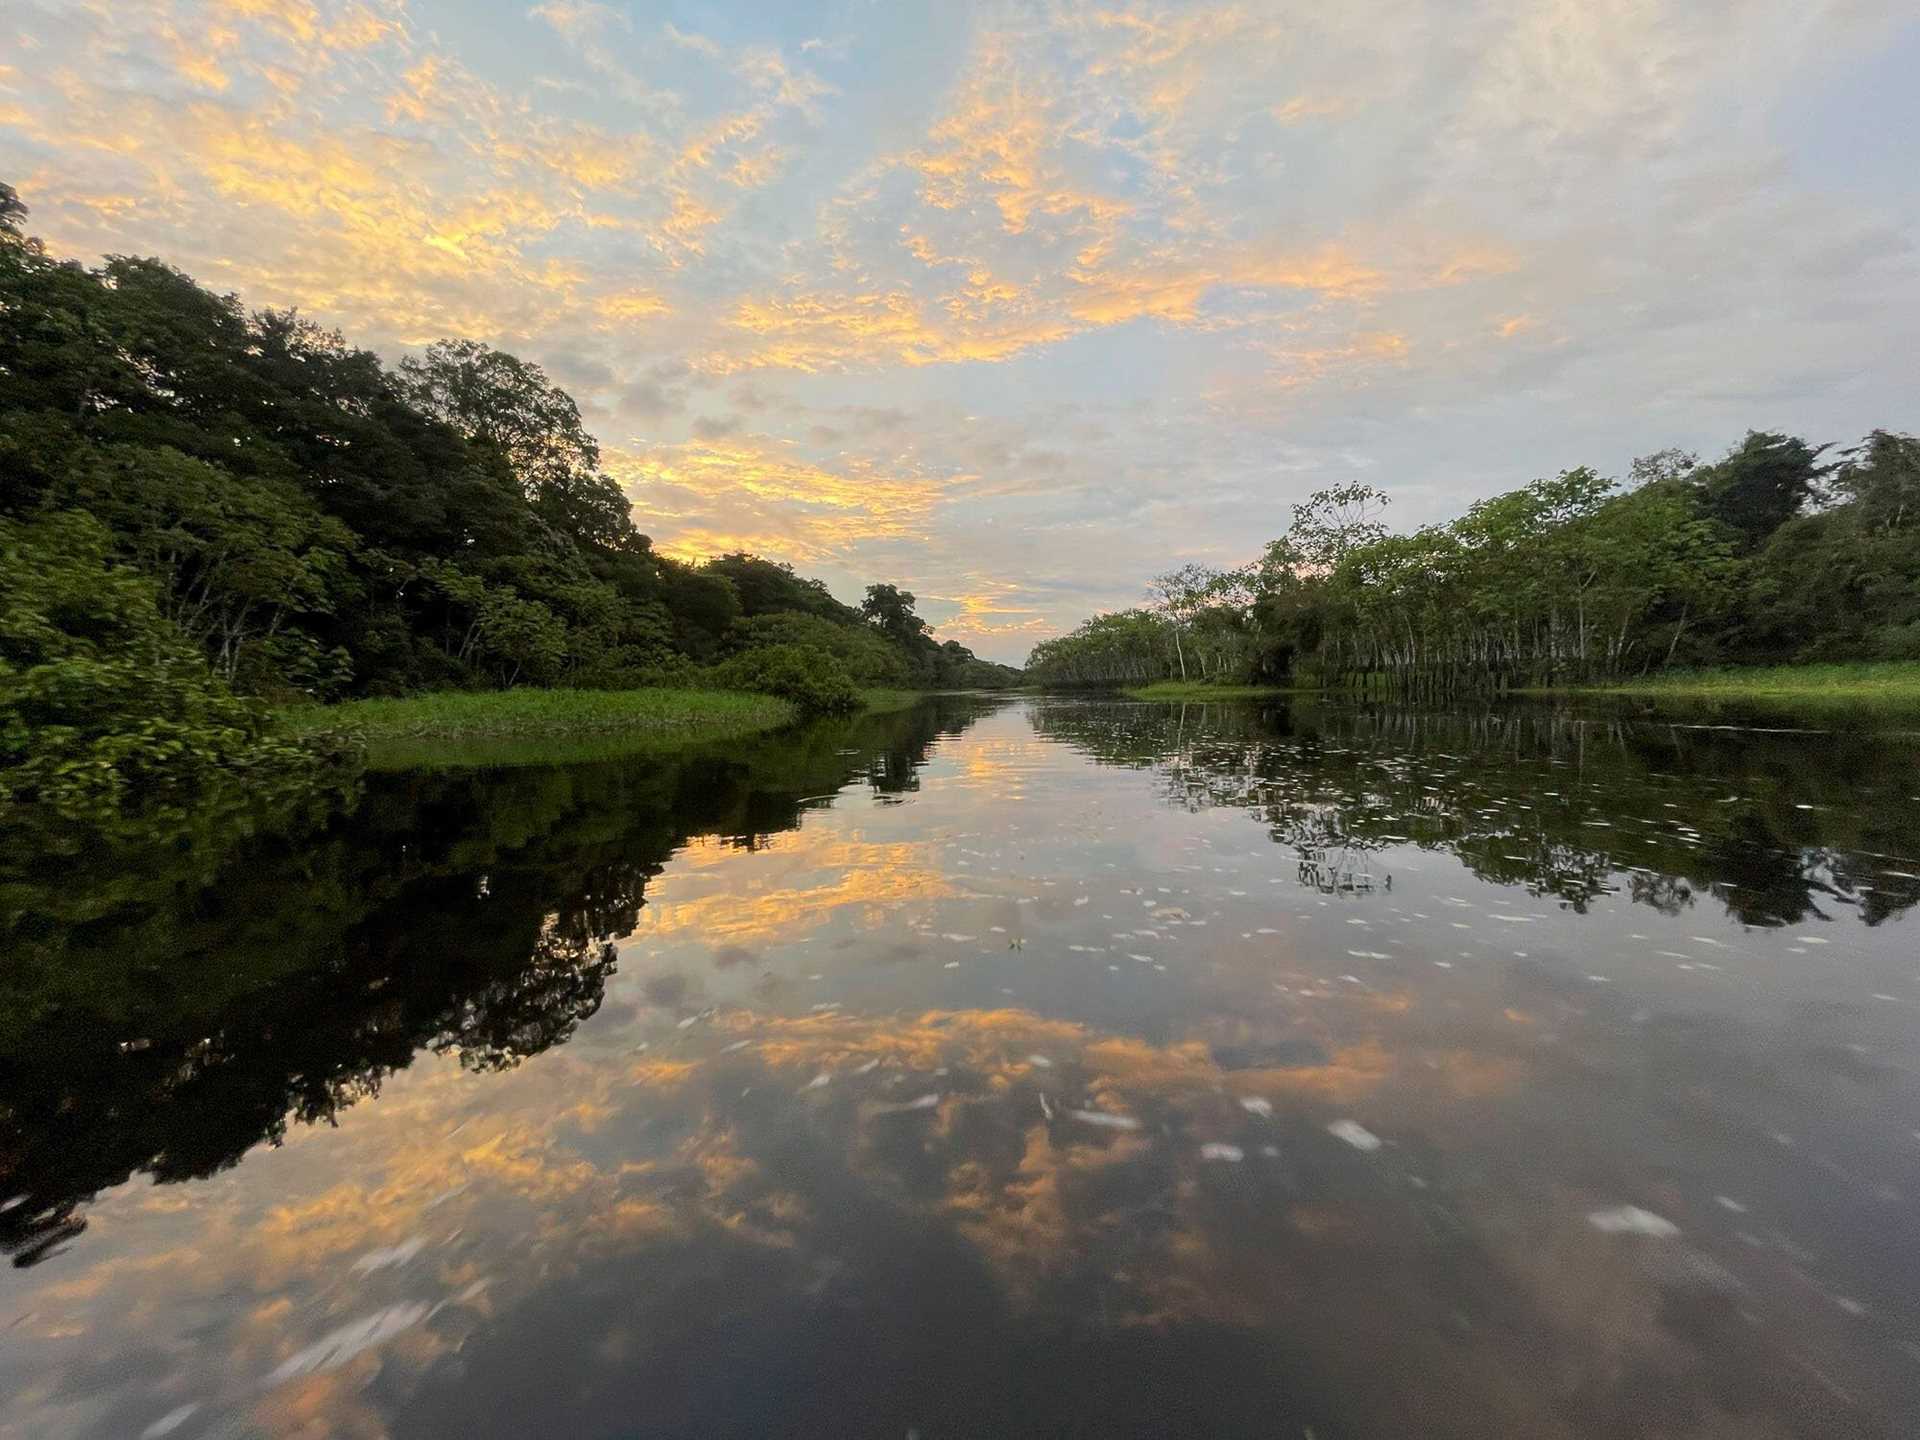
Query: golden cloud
point(787, 890)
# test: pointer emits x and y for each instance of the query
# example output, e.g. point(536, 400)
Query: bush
point(869, 658)
point(106, 708)
point(810, 679)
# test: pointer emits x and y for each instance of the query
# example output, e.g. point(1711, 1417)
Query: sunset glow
point(1007, 303)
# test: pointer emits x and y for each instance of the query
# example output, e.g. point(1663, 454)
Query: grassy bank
point(507, 727)
point(1187, 690)
point(1863, 682)
point(464, 715)
point(539, 727)
point(882, 702)
point(1892, 680)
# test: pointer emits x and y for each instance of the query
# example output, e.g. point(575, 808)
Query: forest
point(1781, 551)
point(206, 510)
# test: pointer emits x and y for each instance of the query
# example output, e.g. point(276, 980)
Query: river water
point(1031, 1066)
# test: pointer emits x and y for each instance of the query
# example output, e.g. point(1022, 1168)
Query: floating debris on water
point(1632, 1220)
point(1101, 1117)
point(337, 1347)
point(924, 1102)
point(1255, 1105)
point(389, 1257)
point(1355, 1134)
point(170, 1422)
point(1215, 1150)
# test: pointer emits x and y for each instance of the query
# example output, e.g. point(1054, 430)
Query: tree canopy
point(308, 522)
point(1765, 555)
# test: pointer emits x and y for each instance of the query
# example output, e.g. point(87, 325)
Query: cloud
point(1074, 286)
point(716, 427)
point(726, 490)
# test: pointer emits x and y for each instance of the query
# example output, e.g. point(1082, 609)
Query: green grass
point(1193, 690)
point(464, 729)
point(521, 727)
point(1890, 680)
point(883, 702)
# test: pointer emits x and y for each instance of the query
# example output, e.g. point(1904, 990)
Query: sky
point(1014, 305)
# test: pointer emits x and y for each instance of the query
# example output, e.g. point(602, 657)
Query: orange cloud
point(708, 497)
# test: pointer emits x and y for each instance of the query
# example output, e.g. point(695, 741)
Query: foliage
point(767, 587)
point(107, 711)
point(811, 680)
point(1182, 690)
point(1896, 681)
point(275, 982)
point(1762, 484)
point(515, 726)
point(867, 656)
point(1765, 555)
point(508, 406)
point(314, 525)
point(889, 609)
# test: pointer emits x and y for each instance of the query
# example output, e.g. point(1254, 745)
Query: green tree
point(1761, 484)
point(814, 681)
point(890, 609)
point(106, 710)
point(767, 587)
point(1881, 476)
point(237, 558)
point(510, 406)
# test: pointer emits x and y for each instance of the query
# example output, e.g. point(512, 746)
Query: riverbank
point(1891, 680)
point(1865, 682)
point(523, 727)
point(456, 716)
point(882, 702)
point(1188, 690)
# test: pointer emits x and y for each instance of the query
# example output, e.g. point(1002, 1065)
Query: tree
point(1761, 484)
point(1881, 475)
point(1331, 523)
point(767, 587)
point(1180, 595)
point(890, 610)
point(510, 406)
point(869, 657)
point(106, 710)
point(236, 558)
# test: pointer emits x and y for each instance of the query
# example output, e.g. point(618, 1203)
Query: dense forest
point(203, 507)
point(1781, 551)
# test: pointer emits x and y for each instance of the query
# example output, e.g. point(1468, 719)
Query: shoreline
point(1188, 690)
point(1846, 682)
point(1852, 681)
point(528, 726)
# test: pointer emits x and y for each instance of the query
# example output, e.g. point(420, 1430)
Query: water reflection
point(1778, 826)
point(464, 913)
point(1007, 1093)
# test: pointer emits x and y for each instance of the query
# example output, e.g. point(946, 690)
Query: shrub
point(870, 659)
point(106, 708)
point(810, 679)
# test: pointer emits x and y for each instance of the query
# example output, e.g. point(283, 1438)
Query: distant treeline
point(1782, 551)
point(199, 502)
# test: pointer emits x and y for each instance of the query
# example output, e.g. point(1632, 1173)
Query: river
point(998, 1067)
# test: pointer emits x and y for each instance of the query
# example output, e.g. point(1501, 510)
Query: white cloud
point(1034, 295)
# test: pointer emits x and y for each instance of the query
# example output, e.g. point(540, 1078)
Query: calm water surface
point(1032, 1067)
